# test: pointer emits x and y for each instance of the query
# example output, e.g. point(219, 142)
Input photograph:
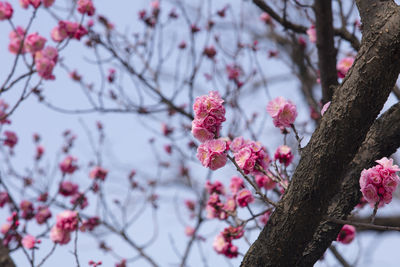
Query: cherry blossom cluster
point(282, 111)
point(379, 182)
point(67, 222)
point(248, 154)
point(36, 3)
point(346, 234)
point(223, 242)
point(68, 29)
point(209, 113)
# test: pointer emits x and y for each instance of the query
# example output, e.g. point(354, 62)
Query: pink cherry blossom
point(46, 59)
point(264, 181)
point(230, 204)
point(11, 139)
point(98, 173)
point(34, 42)
point(249, 153)
point(282, 111)
point(5, 227)
point(4, 199)
point(325, 108)
point(90, 224)
point(6, 10)
point(212, 154)
point(68, 188)
point(388, 165)
point(265, 217)
point(244, 197)
point(35, 3)
point(3, 113)
point(189, 231)
point(29, 241)
point(344, 65)
point(312, 34)
point(210, 51)
point(284, 155)
point(209, 115)
point(16, 46)
point(27, 209)
point(266, 18)
point(67, 220)
point(60, 236)
point(219, 244)
point(86, 7)
point(43, 214)
point(216, 187)
point(69, 165)
point(24, 3)
point(48, 3)
point(79, 200)
point(347, 234)
point(379, 182)
point(236, 184)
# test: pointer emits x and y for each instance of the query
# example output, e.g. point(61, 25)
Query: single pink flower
point(264, 181)
point(69, 165)
point(189, 231)
point(34, 42)
point(60, 236)
point(344, 65)
point(347, 234)
point(48, 3)
point(98, 173)
point(11, 139)
point(284, 155)
point(236, 184)
point(67, 220)
point(43, 214)
point(6, 10)
point(370, 194)
point(244, 198)
point(29, 241)
point(282, 111)
point(312, 34)
point(86, 7)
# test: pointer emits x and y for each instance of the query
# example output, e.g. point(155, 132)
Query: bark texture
point(5, 259)
point(325, 161)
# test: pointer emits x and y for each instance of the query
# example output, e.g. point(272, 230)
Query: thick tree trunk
point(5, 259)
point(326, 159)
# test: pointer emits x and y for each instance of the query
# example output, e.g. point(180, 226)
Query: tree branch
point(333, 145)
point(326, 48)
point(382, 140)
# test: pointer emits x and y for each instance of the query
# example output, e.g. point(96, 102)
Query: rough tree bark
point(5, 259)
point(326, 160)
